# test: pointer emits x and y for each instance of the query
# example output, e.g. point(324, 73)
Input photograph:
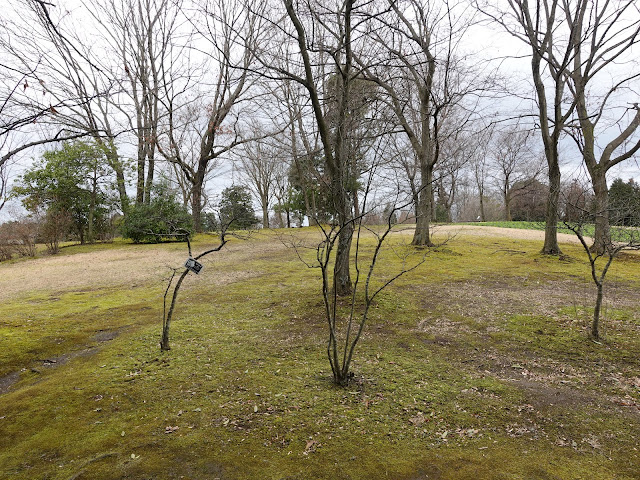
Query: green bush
point(163, 218)
point(236, 209)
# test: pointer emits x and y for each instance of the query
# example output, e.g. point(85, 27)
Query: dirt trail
point(483, 231)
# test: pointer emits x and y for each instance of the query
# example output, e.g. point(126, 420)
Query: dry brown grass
point(123, 268)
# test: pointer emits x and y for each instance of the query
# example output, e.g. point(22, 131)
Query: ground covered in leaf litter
point(477, 365)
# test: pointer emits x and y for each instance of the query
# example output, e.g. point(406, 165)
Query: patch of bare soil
point(460, 310)
point(487, 300)
point(7, 382)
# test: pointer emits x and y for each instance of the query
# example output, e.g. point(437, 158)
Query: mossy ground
point(477, 365)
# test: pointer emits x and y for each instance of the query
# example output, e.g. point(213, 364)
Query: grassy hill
point(477, 365)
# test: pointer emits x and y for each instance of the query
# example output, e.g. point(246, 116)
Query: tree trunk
point(149, 182)
point(507, 207)
point(341, 268)
point(196, 206)
point(421, 236)
point(92, 207)
point(140, 180)
point(280, 218)
point(265, 214)
point(595, 325)
point(551, 246)
point(114, 163)
point(356, 204)
point(601, 206)
point(341, 271)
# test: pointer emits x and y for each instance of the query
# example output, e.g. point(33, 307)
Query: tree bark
point(196, 206)
point(265, 213)
point(113, 160)
point(507, 206)
point(601, 208)
point(551, 246)
point(140, 180)
point(595, 325)
point(421, 236)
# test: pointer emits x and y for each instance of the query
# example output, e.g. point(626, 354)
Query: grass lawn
point(477, 365)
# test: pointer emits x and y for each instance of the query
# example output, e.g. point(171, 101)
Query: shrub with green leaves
point(236, 209)
point(163, 218)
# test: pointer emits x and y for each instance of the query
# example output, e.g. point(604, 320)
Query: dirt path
point(483, 231)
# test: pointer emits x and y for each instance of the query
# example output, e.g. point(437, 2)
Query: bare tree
point(583, 44)
point(625, 239)
point(191, 265)
point(345, 333)
point(346, 320)
point(424, 79)
point(515, 163)
point(480, 168)
point(602, 39)
point(258, 162)
point(232, 33)
point(459, 147)
point(141, 39)
point(536, 25)
point(326, 32)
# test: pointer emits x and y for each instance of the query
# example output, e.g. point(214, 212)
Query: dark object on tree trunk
point(193, 265)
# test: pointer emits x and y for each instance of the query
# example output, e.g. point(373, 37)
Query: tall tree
point(323, 35)
point(535, 24)
point(424, 79)
point(231, 33)
point(142, 43)
point(602, 37)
